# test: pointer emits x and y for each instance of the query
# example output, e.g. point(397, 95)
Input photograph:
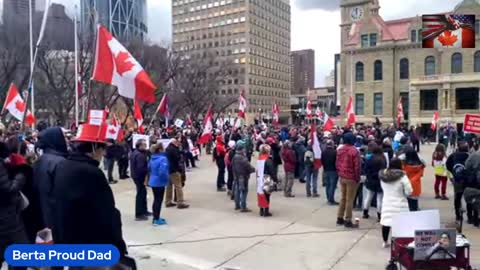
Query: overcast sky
point(315, 23)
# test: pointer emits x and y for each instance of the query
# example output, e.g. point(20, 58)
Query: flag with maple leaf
point(114, 65)
point(309, 110)
point(328, 124)
point(435, 117)
point(137, 114)
point(400, 114)
point(207, 127)
point(163, 106)
point(242, 105)
point(275, 113)
point(16, 106)
point(448, 31)
point(114, 129)
point(351, 119)
point(317, 150)
point(318, 113)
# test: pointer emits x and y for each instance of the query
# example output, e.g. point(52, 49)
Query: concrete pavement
point(301, 235)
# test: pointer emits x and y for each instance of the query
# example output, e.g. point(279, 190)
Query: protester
point(175, 176)
point(329, 159)
point(300, 149)
point(219, 157)
point(241, 170)
point(472, 166)
point(289, 162)
point(139, 170)
point(438, 162)
point(456, 166)
point(264, 176)
point(374, 164)
point(112, 154)
point(158, 180)
point(123, 160)
point(396, 189)
point(348, 168)
point(228, 164)
point(311, 173)
point(414, 168)
point(275, 155)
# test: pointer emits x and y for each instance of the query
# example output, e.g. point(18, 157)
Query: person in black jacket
point(85, 212)
point(375, 162)
point(175, 163)
point(139, 170)
point(329, 159)
point(112, 154)
point(124, 150)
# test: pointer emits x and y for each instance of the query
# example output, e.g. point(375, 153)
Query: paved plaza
point(301, 235)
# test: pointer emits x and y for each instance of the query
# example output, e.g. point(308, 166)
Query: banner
point(472, 123)
point(96, 117)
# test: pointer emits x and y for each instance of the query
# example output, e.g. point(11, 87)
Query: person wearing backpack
point(456, 166)
point(159, 174)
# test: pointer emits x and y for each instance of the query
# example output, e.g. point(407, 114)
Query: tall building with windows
point(383, 61)
point(251, 38)
point(303, 71)
point(16, 11)
point(126, 19)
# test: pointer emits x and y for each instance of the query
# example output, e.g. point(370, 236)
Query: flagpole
point(30, 8)
point(76, 66)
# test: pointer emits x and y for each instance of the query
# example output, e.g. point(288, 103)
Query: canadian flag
point(16, 106)
point(163, 106)
point(399, 112)
point(350, 113)
point(275, 113)
point(318, 113)
point(137, 114)
point(317, 151)
point(114, 65)
point(208, 127)
point(114, 130)
point(220, 122)
point(309, 109)
point(434, 121)
point(327, 123)
point(242, 105)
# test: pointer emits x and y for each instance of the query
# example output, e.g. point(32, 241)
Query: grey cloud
point(329, 5)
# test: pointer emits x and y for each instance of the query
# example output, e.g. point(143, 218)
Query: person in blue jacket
point(158, 180)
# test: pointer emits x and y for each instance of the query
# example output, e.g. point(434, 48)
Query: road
point(301, 235)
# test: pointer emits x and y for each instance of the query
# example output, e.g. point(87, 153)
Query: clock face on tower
point(356, 13)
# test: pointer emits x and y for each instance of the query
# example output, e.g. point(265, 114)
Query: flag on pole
point(399, 112)
point(137, 114)
point(207, 127)
point(327, 123)
point(16, 106)
point(275, 113)
point(114, 65)
point(242, 105)
point(350, 113)
point(163, 106)
point(114, 130)
point(309, 110)
point(433, 126)
point(317, 151)
point(318, 113)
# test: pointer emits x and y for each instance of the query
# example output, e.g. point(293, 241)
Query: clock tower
point(353, 11)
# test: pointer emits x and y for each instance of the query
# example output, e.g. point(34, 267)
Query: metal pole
point(32, 64)
point(76, 67)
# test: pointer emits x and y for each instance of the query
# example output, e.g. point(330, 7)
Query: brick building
point(303, 71)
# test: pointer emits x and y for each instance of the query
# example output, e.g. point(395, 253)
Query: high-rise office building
point(249, 38)
point(126, 19)
point(16, 11)
point(303, 71)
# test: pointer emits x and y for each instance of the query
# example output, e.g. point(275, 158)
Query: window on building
point(477, 27)
point(364, 41)
point(467, 98)
point(373, 40)
point(429, 65)
point(378, 70)
point(359, 72)
point(457, 63)
point(404, 69)
point(359, 104)
point(420, 37)
point(378, 104)
point(476, 62)
point(429, 100)
point(413, 35)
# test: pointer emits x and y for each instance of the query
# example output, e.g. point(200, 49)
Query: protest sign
point(435, 244)
point(471, 124)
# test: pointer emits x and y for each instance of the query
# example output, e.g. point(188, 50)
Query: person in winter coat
point(175, 170)
point(158, 180)
point(311, 173)
point(264, 171)
point(289, 160)
point(113, 152)
point(139, 170)
point(53, 146)
point(228, 164)
point(387, 150)
point(275, 155)
point(124, 149)
point(438, 162)
point(300, 149)
point(396, 189)
point(84, 210)
point(329, 159)
point(414, 168)
point(375, 162)
point(219, 157)
point(456, 166)
point(472, 166)
point(12, 230)
point(348, 168)
point(241, 170)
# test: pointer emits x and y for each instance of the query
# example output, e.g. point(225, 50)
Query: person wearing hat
point(329, 158)
point(175, 170)
point(84, 210)
point(241, 169)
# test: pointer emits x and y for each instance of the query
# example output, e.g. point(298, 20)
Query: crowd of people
point(51, 185)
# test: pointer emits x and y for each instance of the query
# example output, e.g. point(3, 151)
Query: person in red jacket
point(219, 157)
point(348, 168)
point(289, 161)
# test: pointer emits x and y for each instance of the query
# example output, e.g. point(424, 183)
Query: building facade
point(249, 38)
point(125, 19)
point(303, 71)
point(383, 61)
point(322, 98)
point(16, 11)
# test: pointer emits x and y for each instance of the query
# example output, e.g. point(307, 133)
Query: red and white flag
point(350, 112)
point(275, 113)
point(114, 130)
point(220, 122)
point(327, 123)
point(317, 151)
point(16, 106)
point(318, 113)
point(399, 112)
point(207, 127)
point(137, 114)
point(433, 126)
point(242, 105)
point(114, 65)
point(309, 109)
point(188, 120)
point(163, 106)
point(448, 31)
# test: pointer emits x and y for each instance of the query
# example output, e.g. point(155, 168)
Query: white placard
point(96, 114)
point(179, 123)
point(165, 142)
point(96, 117)
point(137, 137)
point(406, 223)
point(96, 121)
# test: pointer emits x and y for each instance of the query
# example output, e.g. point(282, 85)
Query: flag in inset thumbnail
point(448, 31)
